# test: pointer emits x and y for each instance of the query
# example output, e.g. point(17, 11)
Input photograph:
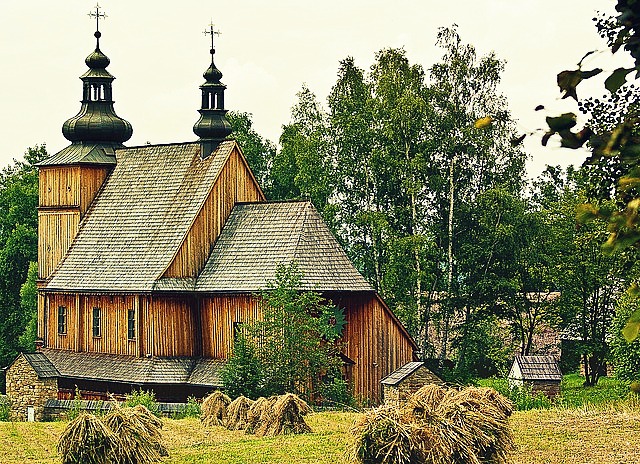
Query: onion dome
point(213, 126)
point(97, 121)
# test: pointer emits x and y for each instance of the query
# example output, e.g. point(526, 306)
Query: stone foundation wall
point(25, 389)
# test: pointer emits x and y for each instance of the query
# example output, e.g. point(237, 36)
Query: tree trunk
point(448, 310)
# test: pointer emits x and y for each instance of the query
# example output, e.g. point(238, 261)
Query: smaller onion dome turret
point(97, 121)
point(213, 126)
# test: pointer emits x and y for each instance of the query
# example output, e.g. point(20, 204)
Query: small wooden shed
point(541, 373)
point(398, 386)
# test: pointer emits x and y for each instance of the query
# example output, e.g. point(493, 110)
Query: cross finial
point(210, 31)
point(97, 14)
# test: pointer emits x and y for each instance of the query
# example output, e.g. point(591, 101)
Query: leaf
point(634, 290)
point(563, 122)
point(586, 212)
point(617, 79)
point(483, 122)
point(631, 330)
point(568, 81)
point(539, 107)
point(574, 140)
point(590, 74)
point(517, 141)
point(585, 56)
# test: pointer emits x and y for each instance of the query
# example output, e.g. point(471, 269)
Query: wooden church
point(149, 257)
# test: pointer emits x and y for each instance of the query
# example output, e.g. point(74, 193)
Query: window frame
point(131, 324)
point(62, 320)
point(96, 322)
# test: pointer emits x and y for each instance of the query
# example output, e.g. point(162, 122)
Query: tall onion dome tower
point(70, 179)
point(213, 126)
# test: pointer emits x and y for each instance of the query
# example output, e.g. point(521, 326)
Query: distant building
point(541, 373)
point(405, 381)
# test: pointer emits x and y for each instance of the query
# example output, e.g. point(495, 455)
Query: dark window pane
point(62, 320)
point(96, 322)
point(131, 324)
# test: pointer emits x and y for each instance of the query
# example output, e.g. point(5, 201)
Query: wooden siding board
point(198, 243)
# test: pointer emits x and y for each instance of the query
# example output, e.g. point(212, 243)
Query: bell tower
point(213, 126)
point(70, 179)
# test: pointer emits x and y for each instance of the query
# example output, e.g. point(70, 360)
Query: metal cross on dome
point(97, 15)
point(212, 33)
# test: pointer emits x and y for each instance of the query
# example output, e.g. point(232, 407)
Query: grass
point(558, 435)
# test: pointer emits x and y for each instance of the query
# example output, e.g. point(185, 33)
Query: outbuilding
point(541, 373)
point(403, 382)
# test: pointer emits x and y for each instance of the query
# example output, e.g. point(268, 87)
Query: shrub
point(624, 355)
point(5, 407)
point(191, 409)
point(76, 406)
point(336, 391)
point(145, 398)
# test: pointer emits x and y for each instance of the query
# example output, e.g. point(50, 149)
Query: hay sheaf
point(437, 426)
point(139, 434)
point(286, 416)
point(259, 412)
point(86, 440)
point(237, 413)
point(214, 409)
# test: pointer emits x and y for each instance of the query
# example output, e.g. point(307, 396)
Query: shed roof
point(404, 372)
point(41, 365)
point(130, 369)
point(138, 221)
point(538, 368)
point(259, 236)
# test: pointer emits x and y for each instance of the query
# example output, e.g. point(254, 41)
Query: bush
point(335, 391)
point(624, 355)
point(522, 397)
point(76, 406)
point(5, 406)
point(145, 398)
point(191, 409)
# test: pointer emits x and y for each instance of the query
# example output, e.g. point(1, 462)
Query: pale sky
point(267, 50)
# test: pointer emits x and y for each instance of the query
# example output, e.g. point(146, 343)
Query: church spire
point(213, 126)
point(97, 121)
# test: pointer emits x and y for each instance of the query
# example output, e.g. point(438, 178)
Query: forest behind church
point(419, 171)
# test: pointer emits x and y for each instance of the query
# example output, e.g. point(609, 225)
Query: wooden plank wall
point(113, 338)
point(234, 184)
point(56, 231)
point(169, 326)
point(53, 339)
point(374, 340)
point(218, 315)
point(65, 194)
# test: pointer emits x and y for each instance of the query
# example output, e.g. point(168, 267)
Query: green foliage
point(336, 391)
point(146, 398)
point(191, 409)
point(575, 394)
point(76, 406)
point(18, 245)
point(243, 373)
point(625, 355)
point(5, 407)
point(288, 349)
point(29, 307)
point(521, 397)
point(258, 151)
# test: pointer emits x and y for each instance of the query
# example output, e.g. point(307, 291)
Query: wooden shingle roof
point(259, 236)
point(536, 368)
point(139, 219)
point(134, 370)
